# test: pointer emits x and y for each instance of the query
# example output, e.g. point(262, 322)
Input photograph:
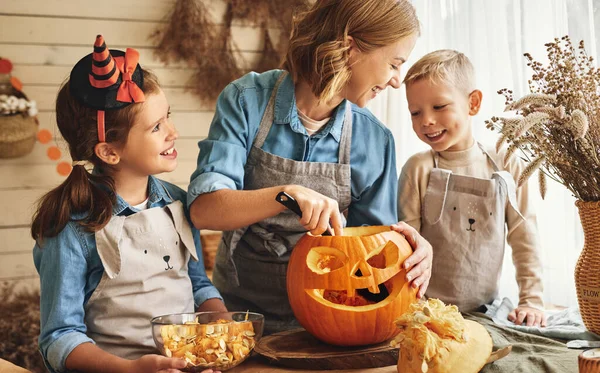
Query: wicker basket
point(17, 135)
point(587, 270)
point(210, 243)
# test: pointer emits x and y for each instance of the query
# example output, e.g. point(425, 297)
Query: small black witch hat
point(107, 80)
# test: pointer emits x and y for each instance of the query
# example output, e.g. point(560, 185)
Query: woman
point(292, 131)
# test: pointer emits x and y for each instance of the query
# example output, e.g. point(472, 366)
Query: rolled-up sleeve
point(201, 285)
point(62, 266)
point(377, 204)
point(224, 152)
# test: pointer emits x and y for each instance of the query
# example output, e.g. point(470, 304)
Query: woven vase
point(587, 270)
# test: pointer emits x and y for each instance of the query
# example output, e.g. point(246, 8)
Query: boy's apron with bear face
point(145, 257)
point(463, 218)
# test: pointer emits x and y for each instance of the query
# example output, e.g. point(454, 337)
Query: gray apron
point(464, 220)
point(145, 258)
point(251, 265)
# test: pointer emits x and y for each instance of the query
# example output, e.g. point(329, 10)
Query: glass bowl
point(216, 340)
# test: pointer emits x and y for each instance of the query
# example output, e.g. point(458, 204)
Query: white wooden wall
point(44, 39)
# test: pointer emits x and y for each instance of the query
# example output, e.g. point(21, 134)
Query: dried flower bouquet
point(556, 126)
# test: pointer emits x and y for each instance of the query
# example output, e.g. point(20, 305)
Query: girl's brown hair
point(318, 48)
point(90, 196)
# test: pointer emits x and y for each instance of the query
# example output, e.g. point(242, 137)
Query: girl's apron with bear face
point(145, 258)
point(464, 220)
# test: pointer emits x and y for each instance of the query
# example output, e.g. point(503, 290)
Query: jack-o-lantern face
point(348, 290)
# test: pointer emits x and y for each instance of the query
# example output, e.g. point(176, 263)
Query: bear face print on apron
point(251, 265)
point(463, 218)
point(145, 257)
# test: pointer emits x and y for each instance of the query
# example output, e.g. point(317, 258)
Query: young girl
point(113, 246)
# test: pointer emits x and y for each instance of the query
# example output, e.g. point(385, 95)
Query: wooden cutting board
point(298, 349)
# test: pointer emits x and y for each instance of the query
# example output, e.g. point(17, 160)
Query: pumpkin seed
point(426, 311)
point(424, 367)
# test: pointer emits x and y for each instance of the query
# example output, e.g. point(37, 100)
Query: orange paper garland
point(54, 153)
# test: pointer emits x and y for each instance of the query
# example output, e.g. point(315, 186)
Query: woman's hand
point(532, 316)
point(418, 265)
point(318, 211)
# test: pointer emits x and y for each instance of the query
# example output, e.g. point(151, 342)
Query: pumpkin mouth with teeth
point(348, 290)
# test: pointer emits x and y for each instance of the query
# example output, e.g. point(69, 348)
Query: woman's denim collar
point(286, 112)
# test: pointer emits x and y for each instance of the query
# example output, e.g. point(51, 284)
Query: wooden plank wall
point(44, 39)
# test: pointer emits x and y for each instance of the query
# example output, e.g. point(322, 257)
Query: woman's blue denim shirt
point(70, 270)
point(239, 110)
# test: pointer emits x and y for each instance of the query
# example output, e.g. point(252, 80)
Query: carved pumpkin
point(348, 290)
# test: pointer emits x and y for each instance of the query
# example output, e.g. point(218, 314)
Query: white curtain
point(494, 34)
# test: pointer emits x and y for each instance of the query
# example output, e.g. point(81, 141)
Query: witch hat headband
point(107, 80)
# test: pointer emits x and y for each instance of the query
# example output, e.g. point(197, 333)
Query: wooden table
point(256, 365)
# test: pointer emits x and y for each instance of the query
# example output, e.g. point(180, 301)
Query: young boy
point(462, 196)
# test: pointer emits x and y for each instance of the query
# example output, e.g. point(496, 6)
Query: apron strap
point(506, 181)
point(346, 140)
point(267, 119)
point(437, 190)
point(494, 165)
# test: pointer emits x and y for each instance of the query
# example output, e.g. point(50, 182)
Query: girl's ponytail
point(88, 197)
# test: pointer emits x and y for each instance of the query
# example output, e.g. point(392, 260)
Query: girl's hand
point(418, 265)
point(532, 316)
point(318, 211)
point(157, 363)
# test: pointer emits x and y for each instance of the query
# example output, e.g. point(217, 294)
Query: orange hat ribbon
point(100, 122)
point(128, 90)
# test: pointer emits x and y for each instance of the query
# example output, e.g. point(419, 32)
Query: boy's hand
point(532, 316)
point(418, 265)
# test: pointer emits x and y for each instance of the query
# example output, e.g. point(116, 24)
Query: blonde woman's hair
point(444, 66)
point(318, 48)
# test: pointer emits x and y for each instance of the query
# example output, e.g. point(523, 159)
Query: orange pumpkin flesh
point(332, 281)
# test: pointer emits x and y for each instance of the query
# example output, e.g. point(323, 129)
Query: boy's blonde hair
point(444, 66)
point(318, 47)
